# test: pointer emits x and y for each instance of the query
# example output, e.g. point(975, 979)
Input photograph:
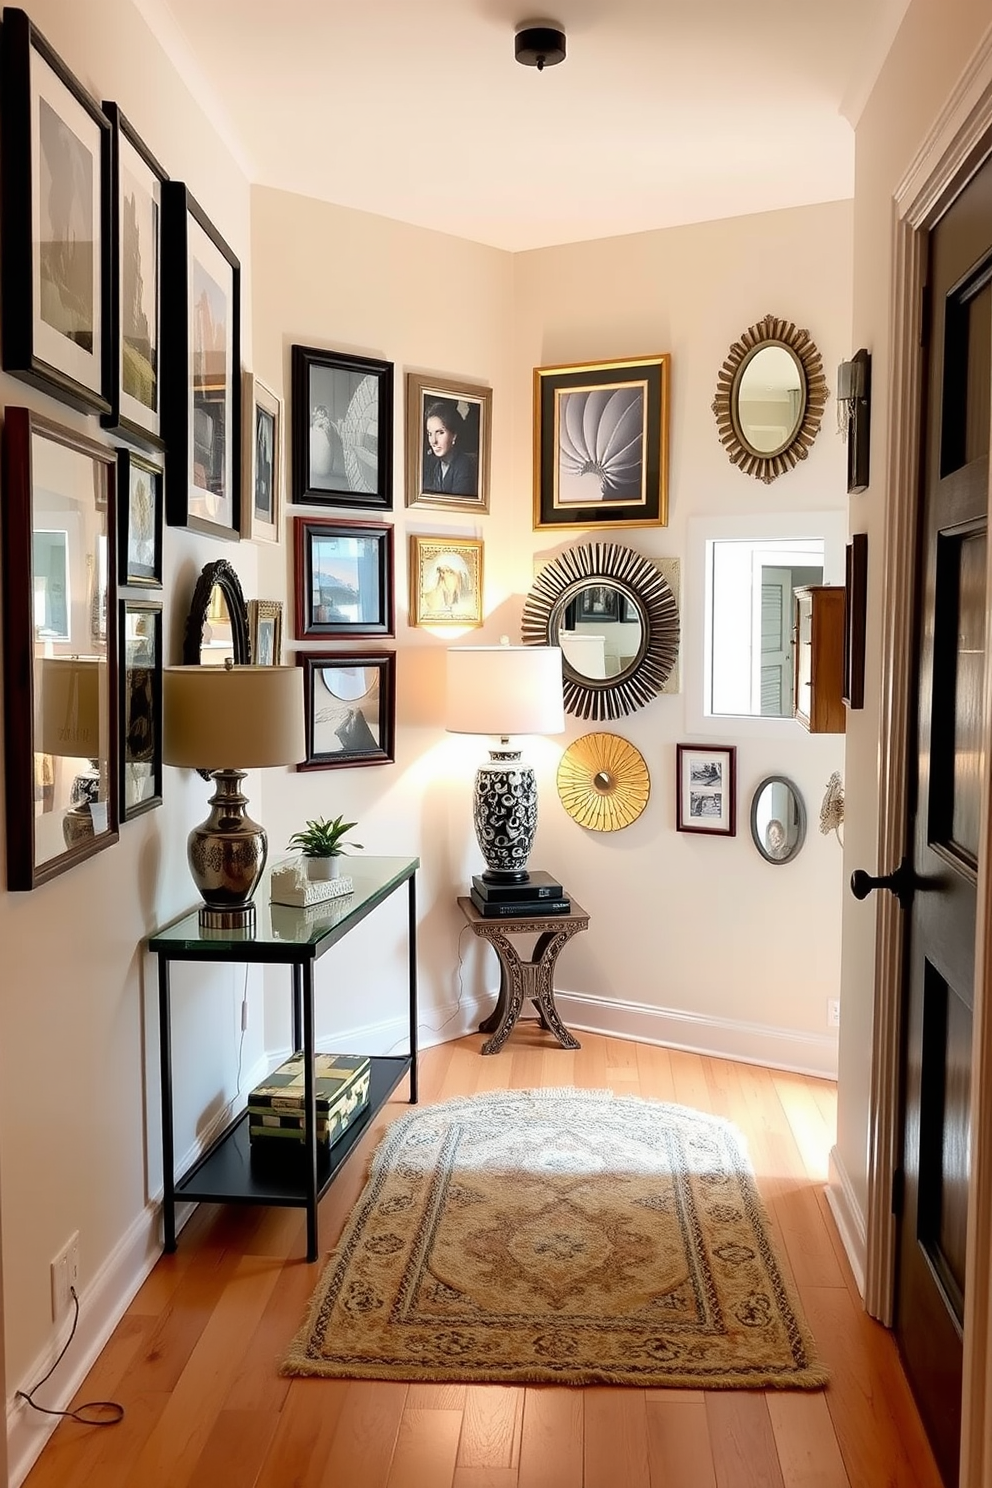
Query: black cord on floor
point(105, 1412)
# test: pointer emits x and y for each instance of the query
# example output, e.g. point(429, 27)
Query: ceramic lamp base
point(505, 815)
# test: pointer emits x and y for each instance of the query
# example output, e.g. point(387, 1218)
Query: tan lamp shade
point(504, 690)
point(69, 706)
point(232, 718)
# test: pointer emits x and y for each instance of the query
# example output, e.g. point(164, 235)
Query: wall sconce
point(854, 416)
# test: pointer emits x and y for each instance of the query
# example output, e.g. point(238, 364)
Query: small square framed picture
point(448, 439)
point(261, 461)
point(350, 704)
point(706, 786)
point(445, 580)
point(265, 631)
point(344, 577)
point(140, 517)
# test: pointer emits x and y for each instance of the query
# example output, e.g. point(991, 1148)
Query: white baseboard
point(848, 1217)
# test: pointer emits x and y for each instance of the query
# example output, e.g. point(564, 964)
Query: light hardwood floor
point(194, 1361)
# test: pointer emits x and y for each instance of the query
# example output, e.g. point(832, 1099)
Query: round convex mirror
point(600, 630)
point(769, 399)
point(778, 819)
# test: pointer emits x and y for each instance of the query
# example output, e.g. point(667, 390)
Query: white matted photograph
point(706, 789)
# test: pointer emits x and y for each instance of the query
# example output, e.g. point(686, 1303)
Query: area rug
point(558, 1236)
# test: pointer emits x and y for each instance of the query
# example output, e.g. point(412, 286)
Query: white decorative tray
point(289, 884)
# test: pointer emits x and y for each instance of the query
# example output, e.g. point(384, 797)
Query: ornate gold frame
point(603, 782)
point(766, 466)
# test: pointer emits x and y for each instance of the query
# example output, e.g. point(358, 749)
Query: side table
point(520, 979)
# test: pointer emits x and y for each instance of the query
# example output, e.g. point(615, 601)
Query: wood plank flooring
point(194, 1360)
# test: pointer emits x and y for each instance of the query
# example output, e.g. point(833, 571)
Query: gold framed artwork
point(603, 782)
point(445, 580)
point(265, 631)
point(448, 443)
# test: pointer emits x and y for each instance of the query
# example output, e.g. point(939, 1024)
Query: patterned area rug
point(563, 1236)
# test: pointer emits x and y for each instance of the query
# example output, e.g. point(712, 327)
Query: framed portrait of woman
point(448, 443)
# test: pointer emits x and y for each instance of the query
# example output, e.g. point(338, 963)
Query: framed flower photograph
point(445, 581)
point(601, 443)
point(448, 443)
point(342, 429)
point(706, 786)
point(344, 577)
point(201, 389)
point(265, 631)
point(139, 520)
point(140, 681)
point(261, 461)
point(54, 220)
point(350, 701)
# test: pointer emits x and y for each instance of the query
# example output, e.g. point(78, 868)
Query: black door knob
point(901, 882)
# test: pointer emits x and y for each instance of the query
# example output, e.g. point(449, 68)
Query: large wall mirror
point(617, 623)
point(60, 659)
point(217, 622)
point(770, 397)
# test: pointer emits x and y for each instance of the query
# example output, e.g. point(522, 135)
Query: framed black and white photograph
point(344, 577)
point(448, 443)
point(342, 429)
point(261, 461)
point(134, 304)
point(601, 443)
point(201, 392)
point(265, 631)
point(599, 602)
point(706, 789)
point(350, 703)
point(140, 520)
point(54, 220)
point(140, 674)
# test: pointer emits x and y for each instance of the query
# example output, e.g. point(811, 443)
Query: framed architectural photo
point(54, 221)
point(601, 443)
point(344, 577)
point(706, 789)
point(350, 703)
point(134, 302)
point(140, 680)
point(445, 581)
point(342, 429)
point(261, 461)
point(265, 631)
point(448, 443)
point(139, 520)
point(201, 370)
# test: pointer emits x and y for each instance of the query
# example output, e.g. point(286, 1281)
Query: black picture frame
point(598, 602)
point(342, 424)
point(139, 672)
point(343, 577)
point(56, 291)
point(201, 385)
point(140, 520)
point(333, 684)
point(855, 619)
point(706, 789)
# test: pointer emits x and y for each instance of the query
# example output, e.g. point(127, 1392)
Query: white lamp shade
point(504, 690)
point(232, 718)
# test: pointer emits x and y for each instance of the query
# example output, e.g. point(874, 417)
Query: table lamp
point(69, 726)
point(228, 720)
point(505, 690)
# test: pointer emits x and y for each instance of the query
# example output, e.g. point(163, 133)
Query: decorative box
point(275, 1108)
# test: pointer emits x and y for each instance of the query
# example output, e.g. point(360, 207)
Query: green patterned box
point(275, 1108)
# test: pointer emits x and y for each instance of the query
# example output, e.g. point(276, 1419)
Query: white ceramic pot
point(324, 868)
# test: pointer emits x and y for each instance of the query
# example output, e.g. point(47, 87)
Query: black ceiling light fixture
point(539, 46)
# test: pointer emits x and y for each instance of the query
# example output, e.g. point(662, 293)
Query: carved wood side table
point(520, 979)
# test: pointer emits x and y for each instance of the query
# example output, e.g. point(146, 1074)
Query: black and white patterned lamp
point(505, 690)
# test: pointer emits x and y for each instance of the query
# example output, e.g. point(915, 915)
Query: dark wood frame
point(221, 573)
point(855, 620)
point(859, 424)
point(128, 417)
point(304, 360)
point(684, 821)
point(420, 390)
point(312, 661)
point(19, 648)
point(309, 528)
point(153, 609)
point(21, 356)
point(125, 460)
point(178, 208)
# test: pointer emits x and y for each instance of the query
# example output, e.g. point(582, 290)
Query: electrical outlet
point(833, 1012)
point(65, 1274)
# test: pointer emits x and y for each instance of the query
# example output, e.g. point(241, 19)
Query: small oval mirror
point(769, 399)
point(600, 630)
point(778, 819)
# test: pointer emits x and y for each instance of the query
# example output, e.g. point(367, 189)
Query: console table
point(296, 938)
point(520, 979)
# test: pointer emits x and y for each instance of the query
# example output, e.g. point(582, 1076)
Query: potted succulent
point(322, 845)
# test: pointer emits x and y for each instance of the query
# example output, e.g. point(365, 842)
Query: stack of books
point(539, 895)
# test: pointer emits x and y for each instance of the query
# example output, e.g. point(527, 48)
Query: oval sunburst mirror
point(769, 398)
point(603, 782)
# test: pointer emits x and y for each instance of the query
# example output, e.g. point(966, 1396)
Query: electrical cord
point(113, 1412)
point(429, 1027)
point(244, 1027)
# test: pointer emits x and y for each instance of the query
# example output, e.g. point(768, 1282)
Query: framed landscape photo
point(54, 220)
point(342, 429)
point(261, 461)
point(445, 581)
point(344, 577)
point(448, 440)
point(140, 674)
point(350, 701)
point(139, 520)
point(601, 443)
point(265, 631)
point(706, 789)
point(201, 390)
point(134, 302)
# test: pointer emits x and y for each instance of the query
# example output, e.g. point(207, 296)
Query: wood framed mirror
point(217, 622)
point(770, 398)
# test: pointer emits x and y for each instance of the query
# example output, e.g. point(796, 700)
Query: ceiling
point(663, 112)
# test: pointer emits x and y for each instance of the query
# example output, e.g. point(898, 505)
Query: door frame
point(959, 140)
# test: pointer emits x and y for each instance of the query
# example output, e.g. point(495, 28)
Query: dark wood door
point(944, 814)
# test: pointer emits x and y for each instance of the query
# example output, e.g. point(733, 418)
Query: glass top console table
point(296, 938)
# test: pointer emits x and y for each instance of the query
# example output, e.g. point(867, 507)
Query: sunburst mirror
point(769, 398)
point(603, 782)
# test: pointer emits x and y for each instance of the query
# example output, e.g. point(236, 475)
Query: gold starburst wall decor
point(603, 782)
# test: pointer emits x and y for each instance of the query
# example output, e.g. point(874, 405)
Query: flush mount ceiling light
point(539, 46)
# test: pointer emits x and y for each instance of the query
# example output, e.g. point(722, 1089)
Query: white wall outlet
point(65, 1274)
point(833, 1012)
